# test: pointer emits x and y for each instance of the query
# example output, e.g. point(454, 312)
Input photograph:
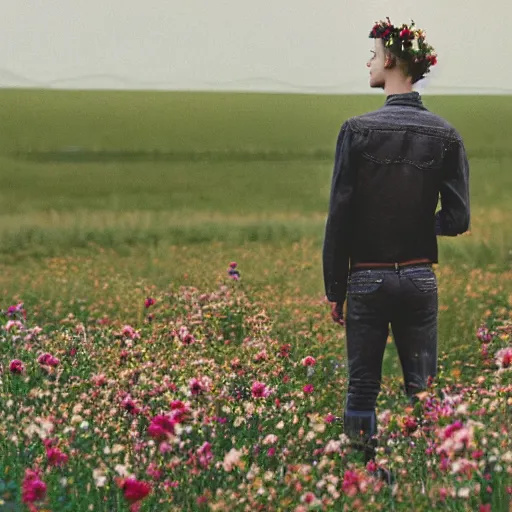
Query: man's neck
point(397, 87)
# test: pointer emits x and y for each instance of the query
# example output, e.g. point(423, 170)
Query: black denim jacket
point(391, 167)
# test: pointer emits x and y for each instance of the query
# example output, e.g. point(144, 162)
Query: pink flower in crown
point(308, 389)
point(16, 367)
point(260, 390)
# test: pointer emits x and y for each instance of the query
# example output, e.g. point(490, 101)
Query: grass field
point(108, 198)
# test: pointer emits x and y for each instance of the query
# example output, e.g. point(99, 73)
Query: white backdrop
point(260, 45)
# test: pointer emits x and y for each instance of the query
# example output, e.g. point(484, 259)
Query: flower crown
point(406, 42)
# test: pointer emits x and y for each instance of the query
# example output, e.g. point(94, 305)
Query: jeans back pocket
point(364, 283)
point(424, 279)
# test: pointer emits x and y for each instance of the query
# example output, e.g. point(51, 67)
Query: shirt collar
point(407, 99)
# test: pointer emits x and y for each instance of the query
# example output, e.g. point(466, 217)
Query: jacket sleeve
point(336, 248)
point(454, 217)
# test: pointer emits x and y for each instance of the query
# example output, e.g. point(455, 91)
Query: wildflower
point(284, 350)
point(260, 390)
point(161, 427)
point(483, 334)
point(350, 485)
point(99, 380)
point(149, 302)
point(33, 488)
point(271, 452)
point(128, 404)
point(308, 389)
point(48, 360)
point(55, 456)
point(232, 459)
point(308, 361)
point(16, 367)
point(195, 386)
point(205, 454)
point(329, 418)
point(129, 332)
point(154, 472)
point(134, 491)
point(14, 324)
point(504, 358)
point(409, 425)
point(232, 272)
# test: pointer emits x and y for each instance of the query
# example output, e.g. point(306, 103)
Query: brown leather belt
point(396, 265)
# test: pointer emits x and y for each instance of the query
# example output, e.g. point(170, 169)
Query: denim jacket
point(392, 166)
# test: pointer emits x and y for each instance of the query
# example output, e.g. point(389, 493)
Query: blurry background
point(194, 153)
point(290, 45)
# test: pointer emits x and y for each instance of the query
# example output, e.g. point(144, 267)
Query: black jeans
point(406, 299)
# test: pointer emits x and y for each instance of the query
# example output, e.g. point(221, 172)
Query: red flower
point(33, 488)
point(410, 425)
point(149, 302)
point(161, 427)
point(16, 367)
point(56, 457)
point(135, 490)
point(47, 360)
point(309, 361)
point(308, 388)
point(406, 34)
point(260, 390)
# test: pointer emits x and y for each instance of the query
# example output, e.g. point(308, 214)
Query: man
point(391, 167)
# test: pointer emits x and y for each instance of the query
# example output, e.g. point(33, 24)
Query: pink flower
point(154, 472)
point(134, 490)
point(130, 405)
point(504, 357)
point(260, 390)
point(129, 332)
point(149, 302)
point(271, 452)
point(483, 334)
point(56, 457)
point(329, 418)
point(195, 386)
point(33, 488)
point(309, 361)
point(161, 427)
point(308, 389)
point(350, 485)
point(16, 367)
point(99, 380)
point(47, 360)
point(205, 454)
point(409, 425)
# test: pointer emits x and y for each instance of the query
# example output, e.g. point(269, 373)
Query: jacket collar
point(408, 99)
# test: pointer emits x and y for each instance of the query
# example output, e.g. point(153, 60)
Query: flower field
point(140, 370)
point(200, 406)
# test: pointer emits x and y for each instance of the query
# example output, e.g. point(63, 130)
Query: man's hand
point(337, 313)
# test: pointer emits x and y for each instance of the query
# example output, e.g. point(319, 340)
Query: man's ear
point(390, 61)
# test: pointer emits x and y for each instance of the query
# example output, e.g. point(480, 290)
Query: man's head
point(401, 54)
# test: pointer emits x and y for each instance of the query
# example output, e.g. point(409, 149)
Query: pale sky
point(259, 45)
